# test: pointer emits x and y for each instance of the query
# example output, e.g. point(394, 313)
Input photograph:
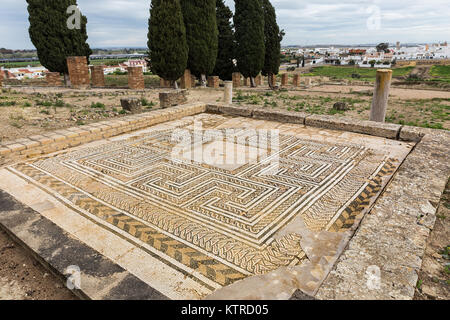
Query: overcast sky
point(123, 23)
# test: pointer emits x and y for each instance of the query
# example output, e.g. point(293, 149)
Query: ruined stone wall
point(98, 76)
point(186, 80)
point(236, 79)
point(53, 79)
point(78, 72)
point(213, 82)
point(136, 78)
point(173, 98)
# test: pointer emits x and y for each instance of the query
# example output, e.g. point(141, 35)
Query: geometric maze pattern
point(217, 220)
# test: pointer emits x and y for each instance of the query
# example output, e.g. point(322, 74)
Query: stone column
point(284, 80)
point(98, 76)
point(228, 97)
point(381, 95)
point(247, 82)
point(236, 79)
point(78, 72)
point(258, 80)
point(213, 82)
point(186, 80)
point(296, 80)
point(53, 79)
point(136, 78)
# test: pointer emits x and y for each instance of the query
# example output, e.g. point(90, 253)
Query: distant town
point(24, 64)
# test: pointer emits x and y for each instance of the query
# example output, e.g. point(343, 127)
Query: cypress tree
point(167, 40)
point(249, 24)
point(202, 36)
point(273, 37)
point(50, 34)
point(224, 64)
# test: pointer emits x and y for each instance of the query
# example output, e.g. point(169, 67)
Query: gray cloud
point(124, 22)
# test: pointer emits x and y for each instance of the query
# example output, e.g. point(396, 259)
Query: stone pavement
point(221, 206)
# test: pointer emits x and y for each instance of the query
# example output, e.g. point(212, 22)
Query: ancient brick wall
point(78, 72)
point(296, 80)
point(186, 80)
point(213, 82)
point(53, 79)
point(163, 83)
point(284, 80)
point(98, 76)
point(236, 79)
point(136, 78)
point(173, 98)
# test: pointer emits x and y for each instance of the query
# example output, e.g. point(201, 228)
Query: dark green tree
point(167, 44)
point(249, 24)
point(273, 37)
point(224, 64)
point(55, 34)
point(202, 36)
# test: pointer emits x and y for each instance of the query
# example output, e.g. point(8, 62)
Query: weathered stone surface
point(386, 130)
point(280, 116)
point(133, 105)
point(392, 238)
point(136, 78)
point(296, 80)
point(213, 82)
point(78, 72)
point(53, 79)
point(98, 76)
point(173, 98)
point(340, 106)
point(236, 111)
point(236, 80)
point(285, 80)
point(186, 80)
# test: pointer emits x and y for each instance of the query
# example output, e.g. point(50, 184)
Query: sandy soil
point(24, 278)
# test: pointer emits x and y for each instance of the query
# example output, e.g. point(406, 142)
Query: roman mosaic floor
point(194, 205)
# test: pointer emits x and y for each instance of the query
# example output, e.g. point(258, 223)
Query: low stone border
point(100, 278)
point(66, 138)
point(383, 130)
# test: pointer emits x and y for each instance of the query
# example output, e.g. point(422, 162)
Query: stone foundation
point(236, 79)
point(53, 79)
point(186, 80)
point(98, 76)
point(78, 72)
point(173, 98)
point(213, 82)
point(136, 78)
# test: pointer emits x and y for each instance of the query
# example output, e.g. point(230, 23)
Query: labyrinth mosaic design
point(219, 220)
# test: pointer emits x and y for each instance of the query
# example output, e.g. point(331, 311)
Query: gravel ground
point(22, 277)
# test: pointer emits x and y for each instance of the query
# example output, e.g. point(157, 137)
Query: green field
point(368, 74)
point(440, 73)
point(122, 81)
point(20, 64)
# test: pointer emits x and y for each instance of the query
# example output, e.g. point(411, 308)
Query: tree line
point(200, 35)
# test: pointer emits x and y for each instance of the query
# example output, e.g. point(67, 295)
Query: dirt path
point(23, 278)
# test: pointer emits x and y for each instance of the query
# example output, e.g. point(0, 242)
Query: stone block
point(173, 98)
point(296, 80)
point(132, 105)
point(285, 80)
